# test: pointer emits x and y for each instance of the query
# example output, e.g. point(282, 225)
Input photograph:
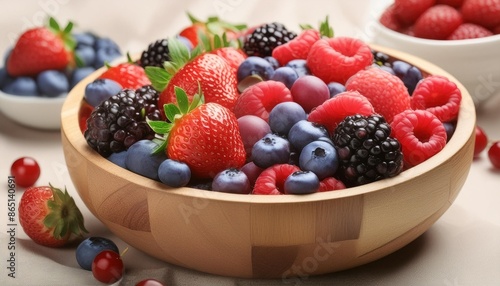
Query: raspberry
point(453, 3)
point(330, 184)
point(272, 180)
point(390, 20)
point(438, 95)
point(373, 83)
point(337, 59)
point(469, 31)
point(437, 22)
point(335, 109)
point(366, 151)
point(298, 48)
point(260, 98)
point(408, 11)
point(421, 134)
point(485, 13)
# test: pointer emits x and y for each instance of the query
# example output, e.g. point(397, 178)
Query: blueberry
point(284, 115)
point(118, 158)
point(301, 182)
point(24, 86)
point(409, 74)
point(90, 247)
point(270, 150)
point(300, 67)
point(52, 83)
point(305, 132)
point(450, 129)
point(335, 88)
point(231, 181)
point(141, 159)
point(79, 74)
point(174, 174)
point(319, 157)
point(102, 43)
point(84, 39)
point(4, 77)
point(105, 55)
point(286, 75)
point(255, 66)
point(101, 89)
point(86, 54)
point(273, 61)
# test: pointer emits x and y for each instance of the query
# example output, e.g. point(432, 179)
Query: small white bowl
point(33, 111)
point(474, 62)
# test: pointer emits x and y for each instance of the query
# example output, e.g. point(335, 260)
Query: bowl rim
point(433, 43)
point(34, 99)
point(466, 121)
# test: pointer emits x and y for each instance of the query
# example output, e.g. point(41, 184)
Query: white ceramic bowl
point(33, 111)
point(474, 62)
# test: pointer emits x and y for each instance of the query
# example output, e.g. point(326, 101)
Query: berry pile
point(269, 111)
point(444, 19)
point(50, 61)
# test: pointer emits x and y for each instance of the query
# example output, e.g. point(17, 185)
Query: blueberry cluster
point(91, 53)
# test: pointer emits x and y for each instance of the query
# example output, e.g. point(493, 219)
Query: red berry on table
point(438, 95)
point(335, 109)
point(26, 171)
point(438, 22)
point(337, 59)
point(259, 99)
point(494, 154)
point(373, 83)
point(421, 134)
point(408, 11)
point(481, 141)
point(482, 12)
point(40, 49)
point(469, 31)
point(149, 282)
point(50, 216)
point(107, 267)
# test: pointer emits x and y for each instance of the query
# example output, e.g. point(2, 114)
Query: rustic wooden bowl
point(270, 236)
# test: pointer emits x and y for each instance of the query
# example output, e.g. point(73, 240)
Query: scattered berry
point(26, 171)
point(438, 95)
point(149, 282)
point(494, 154)
point(301, 182)
point(481, 141)
point(366, 151)
point(373, 83)
point(272, 180)
point(421, 134)
point(231, 181)
point(107, 267)
point(90, 247)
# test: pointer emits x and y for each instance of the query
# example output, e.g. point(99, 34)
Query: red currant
point(481, 141)
point(107, 267)
point(26, 171)
point(149, 282)
point(494, 154)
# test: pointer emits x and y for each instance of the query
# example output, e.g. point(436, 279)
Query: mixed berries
point(268, 111)
point(444, 19)
point(50, 61)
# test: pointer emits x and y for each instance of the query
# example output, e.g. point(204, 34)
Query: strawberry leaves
point(324, 29)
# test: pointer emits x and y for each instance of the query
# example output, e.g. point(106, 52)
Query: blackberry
point(366, 151)
point(117, 123)
point(156, 54)
point(265, 38)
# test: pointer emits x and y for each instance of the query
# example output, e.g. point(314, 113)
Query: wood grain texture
point(270, 236)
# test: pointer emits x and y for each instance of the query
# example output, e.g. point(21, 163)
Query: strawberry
point(205, 136)
point(190, 70)
point(437, 22)
point(386, 92)
point(128, 75)
point(408, 11)
point(298, 47)
point(337, 59)
point(469, 31)
point(50, 216)
point(485, 13)
point(40, 49)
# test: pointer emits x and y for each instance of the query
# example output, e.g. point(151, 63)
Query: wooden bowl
point(270, 236)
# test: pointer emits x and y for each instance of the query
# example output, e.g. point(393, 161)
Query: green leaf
point(68, 28)
point(159, 77)
point(159, 127)
point(178, 51)
point(182, 99)
point(192, 18)
point(306, 26)
point(160, 147)
point(54, 25)
point(171, 110)
point(51, 220)
point(325, 29)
